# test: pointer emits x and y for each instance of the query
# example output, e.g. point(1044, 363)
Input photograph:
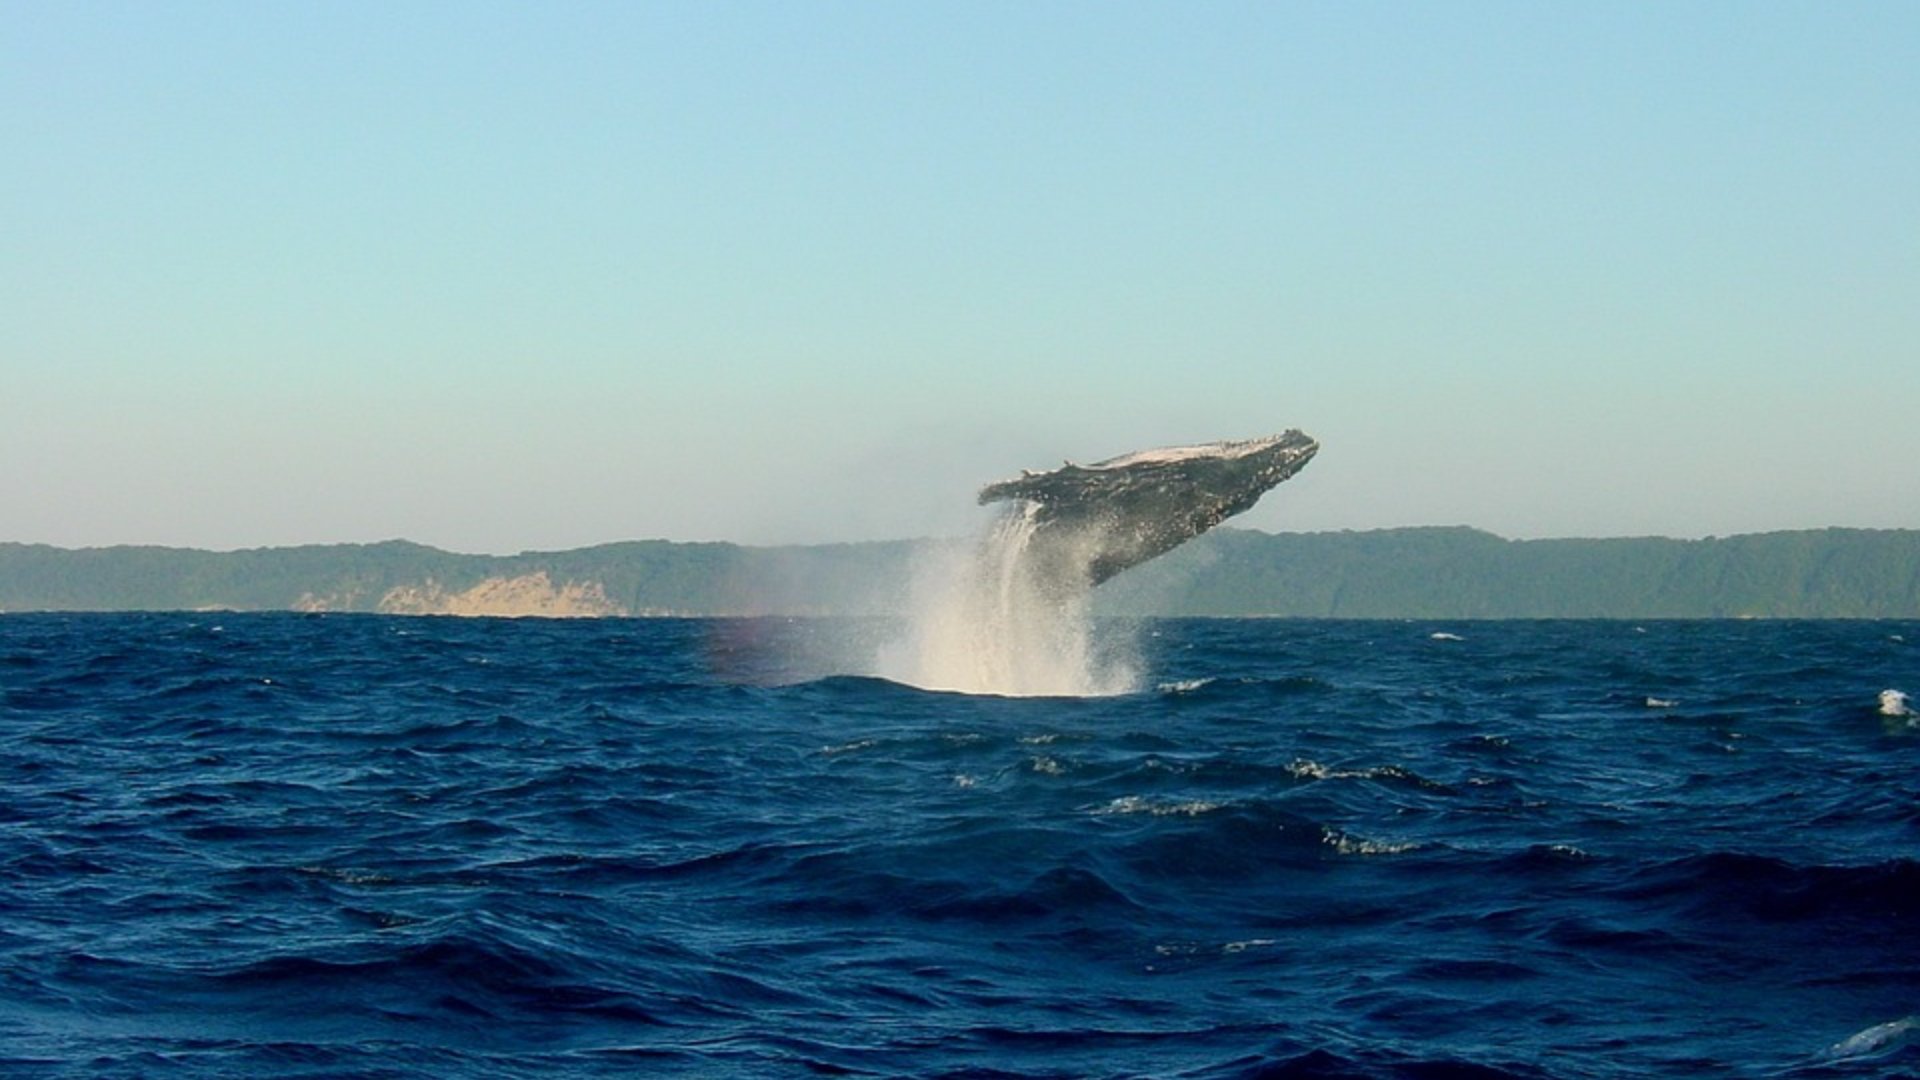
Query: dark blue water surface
point(282, 845)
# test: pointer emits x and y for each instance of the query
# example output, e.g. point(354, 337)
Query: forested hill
point(650, 577)
point(1466, 573)
point(1392, 573)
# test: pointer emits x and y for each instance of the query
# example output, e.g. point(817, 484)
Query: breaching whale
point(1092, 521)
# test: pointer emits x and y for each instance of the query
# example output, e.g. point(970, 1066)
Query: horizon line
point(530, 552)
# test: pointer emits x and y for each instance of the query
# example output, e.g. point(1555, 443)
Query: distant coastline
point(1452, 572)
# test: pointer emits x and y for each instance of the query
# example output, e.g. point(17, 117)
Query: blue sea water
point(282, 845)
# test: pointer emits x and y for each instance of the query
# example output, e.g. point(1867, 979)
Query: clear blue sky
point(508, 276)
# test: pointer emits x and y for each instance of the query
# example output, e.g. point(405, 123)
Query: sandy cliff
point(530, 594)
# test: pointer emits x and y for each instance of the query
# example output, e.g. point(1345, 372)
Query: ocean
point(250, 845)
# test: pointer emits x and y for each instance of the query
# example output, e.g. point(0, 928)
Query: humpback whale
point(1090, 522)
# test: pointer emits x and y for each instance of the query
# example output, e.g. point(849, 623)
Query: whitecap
point(1661, 703)
point(1353, 845)
point(1442, 635)
point(1308, 769)
point(1136, 804)
point(1182, 686)
point(1874, 1040)
point(1303, 769)
point(848, 748)
point(1195, 949)
point(347, 876)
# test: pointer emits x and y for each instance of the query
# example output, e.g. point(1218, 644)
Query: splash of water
point(987, 619)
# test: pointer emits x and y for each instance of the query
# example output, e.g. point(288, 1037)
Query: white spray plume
point(983, 620)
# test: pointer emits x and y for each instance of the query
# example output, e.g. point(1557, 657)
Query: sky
point(502, 277)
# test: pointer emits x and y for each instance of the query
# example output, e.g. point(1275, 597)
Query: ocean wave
point(1305, 769)
point(1876, 1041)
point(859, 886)
point(445, 848)
point(1137, 804)
point(1329, 1065)
point(1250, 690)
point(1773, 889)
point(1236, 841)
point(1347, 844)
